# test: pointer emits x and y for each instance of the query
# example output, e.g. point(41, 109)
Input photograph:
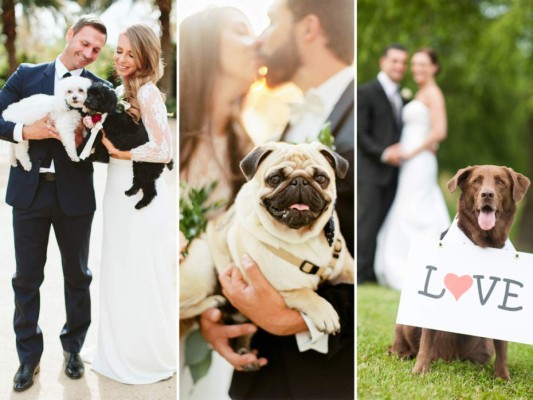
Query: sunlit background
point(266, 111)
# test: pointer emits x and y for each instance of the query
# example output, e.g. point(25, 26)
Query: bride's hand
point(111, 149)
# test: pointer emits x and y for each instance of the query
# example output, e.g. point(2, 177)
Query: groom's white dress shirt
point(309, 116)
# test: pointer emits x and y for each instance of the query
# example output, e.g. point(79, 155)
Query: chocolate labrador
point(486, 210)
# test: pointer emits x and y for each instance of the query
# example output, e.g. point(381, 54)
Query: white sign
point(466, 289)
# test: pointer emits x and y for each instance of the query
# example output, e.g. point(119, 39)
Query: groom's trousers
point(31, 228)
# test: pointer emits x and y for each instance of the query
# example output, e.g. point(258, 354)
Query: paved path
point(52, 383)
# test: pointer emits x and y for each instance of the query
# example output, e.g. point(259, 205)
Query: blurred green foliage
point(194, 210)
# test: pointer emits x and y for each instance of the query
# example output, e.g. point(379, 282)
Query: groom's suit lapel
point(387, 103)
point(47, 83)
point(49, 77)
point(341, 109)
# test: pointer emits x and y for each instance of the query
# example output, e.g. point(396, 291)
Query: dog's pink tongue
point(300, 207)
point(486, 220)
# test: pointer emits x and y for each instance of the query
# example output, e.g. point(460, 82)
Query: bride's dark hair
point(199, 64)
point(433, 57)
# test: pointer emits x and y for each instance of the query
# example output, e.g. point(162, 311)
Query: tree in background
point(9, 24)
point(486, 50)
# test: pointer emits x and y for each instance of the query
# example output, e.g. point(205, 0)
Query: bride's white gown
point(137, 336)
point(418, 208)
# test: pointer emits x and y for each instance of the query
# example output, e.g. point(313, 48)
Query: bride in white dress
point(418, 208)
point(137, 335)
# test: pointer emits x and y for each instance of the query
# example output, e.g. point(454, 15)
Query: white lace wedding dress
point(418, 208)
point(137, 335)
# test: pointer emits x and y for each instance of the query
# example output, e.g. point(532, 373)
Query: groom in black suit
point(379, 126)
point(56, 193)
point(310, 43)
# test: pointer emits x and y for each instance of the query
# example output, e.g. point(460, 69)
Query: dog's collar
point(307, 266)
point(69, 107)
point(329, 230)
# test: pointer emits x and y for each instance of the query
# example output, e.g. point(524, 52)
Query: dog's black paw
point(132, 191)
point(143, 202)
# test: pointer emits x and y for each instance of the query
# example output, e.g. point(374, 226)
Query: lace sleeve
point(154, 118)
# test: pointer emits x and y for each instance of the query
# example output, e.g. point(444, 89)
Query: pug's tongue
point(299, 207)
point(486, 220)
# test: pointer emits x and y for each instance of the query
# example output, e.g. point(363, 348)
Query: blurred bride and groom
point(399, 198)
point(309, 43)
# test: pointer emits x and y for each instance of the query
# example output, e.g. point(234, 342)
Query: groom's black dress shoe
point(24, 377)
point(74, 368)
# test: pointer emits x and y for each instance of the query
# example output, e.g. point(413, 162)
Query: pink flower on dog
point(88, 122)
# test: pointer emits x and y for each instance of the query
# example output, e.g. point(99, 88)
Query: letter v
point(482, 300)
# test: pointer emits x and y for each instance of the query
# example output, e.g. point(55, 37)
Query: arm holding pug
point(218, 335)
point(259, 301)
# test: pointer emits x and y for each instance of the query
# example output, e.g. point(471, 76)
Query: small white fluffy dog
point(63, 109)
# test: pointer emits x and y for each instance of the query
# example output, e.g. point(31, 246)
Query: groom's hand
point(217, 335)
point(41, 129)
point(259, 301)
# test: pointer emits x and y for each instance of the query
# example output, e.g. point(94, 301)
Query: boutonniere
point(122, 105)
point(406, 94)
point(326, 137)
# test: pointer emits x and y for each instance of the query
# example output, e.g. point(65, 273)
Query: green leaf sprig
point(326, 137)
point(194, 210)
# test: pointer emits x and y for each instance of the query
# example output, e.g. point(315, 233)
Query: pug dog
point(283, 218)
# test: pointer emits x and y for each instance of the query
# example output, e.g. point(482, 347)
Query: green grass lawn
point(380, 376)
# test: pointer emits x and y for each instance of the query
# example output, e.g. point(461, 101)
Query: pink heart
point(458, 285)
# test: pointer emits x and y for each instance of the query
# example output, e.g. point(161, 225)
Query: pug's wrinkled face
point(296, 183)
point(298, 192)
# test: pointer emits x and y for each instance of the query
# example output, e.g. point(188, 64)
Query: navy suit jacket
point(74, 180)
point(376, 130)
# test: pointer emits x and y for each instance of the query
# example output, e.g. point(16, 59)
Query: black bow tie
point(66, 75)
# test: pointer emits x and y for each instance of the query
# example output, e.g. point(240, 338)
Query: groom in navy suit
point(56, 193)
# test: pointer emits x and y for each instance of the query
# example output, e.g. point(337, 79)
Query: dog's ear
point(111, 100)
point(459, 178)
point(520, 184)
point(250, 163)
point(339, 163)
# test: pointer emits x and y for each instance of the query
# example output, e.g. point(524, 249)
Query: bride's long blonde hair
point(146, 49)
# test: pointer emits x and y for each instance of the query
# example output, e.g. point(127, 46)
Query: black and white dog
point(125, 134)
